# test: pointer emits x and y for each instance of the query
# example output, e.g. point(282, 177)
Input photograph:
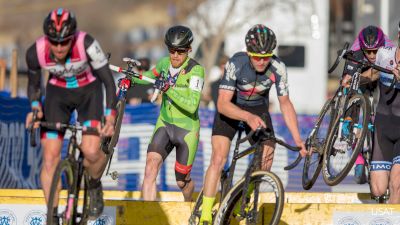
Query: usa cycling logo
point(381, 221)
point(7, 217)
point(35, 218)
point(348, 220)
point(102, 220)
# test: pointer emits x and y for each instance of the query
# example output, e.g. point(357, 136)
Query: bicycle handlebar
point(132, 73)
point(348, 54)
point(267, 135)
point(364, 63)
point(74, 127)
point(31, 128)
point(339, 58)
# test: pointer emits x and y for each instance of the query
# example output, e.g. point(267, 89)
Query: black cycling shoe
point(96, 204)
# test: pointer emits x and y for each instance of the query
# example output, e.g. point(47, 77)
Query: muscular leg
point(153, 165)
point(187, 188)
point(268, 156)
point(94, 158)
point(394, 184)
point(220, 150)
point(379, 182)
point(51, 157)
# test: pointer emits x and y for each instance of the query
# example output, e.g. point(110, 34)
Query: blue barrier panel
point(20, 164)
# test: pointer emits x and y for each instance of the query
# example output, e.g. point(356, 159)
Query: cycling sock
point(360, 159)
point(206, 213)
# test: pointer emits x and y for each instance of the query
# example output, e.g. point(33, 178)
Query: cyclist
point(77, 68)
point(365, 47)
point(181, 80)
point(385, 165)
point(244, 96)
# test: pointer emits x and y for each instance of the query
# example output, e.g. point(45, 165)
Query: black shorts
point(228, 127)
point(386, 150)
point(61, 102)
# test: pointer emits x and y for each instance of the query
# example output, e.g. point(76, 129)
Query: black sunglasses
point(62, 43)
point(179, 51)
point(370, 51)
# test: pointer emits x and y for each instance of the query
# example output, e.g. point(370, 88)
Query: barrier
point(22, 163)
point(26, 207)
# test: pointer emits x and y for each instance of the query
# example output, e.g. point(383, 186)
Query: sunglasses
point(258, 56)
point(179, 51)
point(62, 43)
point(368, 52)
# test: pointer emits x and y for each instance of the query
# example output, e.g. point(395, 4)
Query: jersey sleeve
point(34, 74)
point(188, 98)
point(228, 81)
point(379, 57)
point(281, 82)
point(99, 63)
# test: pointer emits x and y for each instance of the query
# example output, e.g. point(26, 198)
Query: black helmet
point(178, 37)
point(260, 40)
point(59, 25)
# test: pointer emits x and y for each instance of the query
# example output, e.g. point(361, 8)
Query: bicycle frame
point(254, 165)
point(74, 161)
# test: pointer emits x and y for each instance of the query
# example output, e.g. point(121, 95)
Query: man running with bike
point(77, 68)
point(365, 47)
point(385, 163)
point(243, 96)
point(180, 79)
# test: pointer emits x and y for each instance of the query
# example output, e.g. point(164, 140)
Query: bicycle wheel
point(315, 143)
point(265, 183)
point(342, 147)
point(85, 207)
point(60, 209)
point(109, 143)
point(194, 218)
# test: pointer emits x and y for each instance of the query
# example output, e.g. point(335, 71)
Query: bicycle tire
point(357, 102)
point(109, 143)
point(316, 141)
point(233, 197)
point(194, 218)
point(67, 216)
point(85, 208)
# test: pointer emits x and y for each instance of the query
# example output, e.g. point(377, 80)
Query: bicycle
point(241, 200)
point(316, 140)
point(108, 144)
point(349, 131)
point(69, 173)
point(332, 109)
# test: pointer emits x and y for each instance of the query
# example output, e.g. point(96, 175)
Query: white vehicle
point(301, 28)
